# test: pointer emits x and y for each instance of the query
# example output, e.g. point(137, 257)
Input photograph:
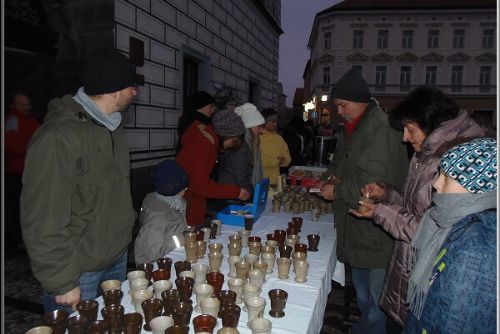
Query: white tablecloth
point(306, 302)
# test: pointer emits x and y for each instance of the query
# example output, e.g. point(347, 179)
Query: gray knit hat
point(228, 124)
point(107, 71)
point(351, 87)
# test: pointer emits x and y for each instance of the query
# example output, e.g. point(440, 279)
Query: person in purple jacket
point(429, 118)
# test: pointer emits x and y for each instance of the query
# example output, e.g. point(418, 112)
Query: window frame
point(380, 78)
point(357, 39)
point(383, 39)
point(433, 39)
point(458, 39)
point(407, 38)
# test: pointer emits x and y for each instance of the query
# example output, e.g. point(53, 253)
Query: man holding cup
point(369, 149)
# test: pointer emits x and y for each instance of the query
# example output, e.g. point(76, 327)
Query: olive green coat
point(374, 152)
point(76, 207)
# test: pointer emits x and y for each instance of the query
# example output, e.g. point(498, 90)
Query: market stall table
point(306, 302)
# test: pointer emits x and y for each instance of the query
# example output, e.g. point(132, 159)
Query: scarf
point(111, 122)
point(175, 202)
point(434, 227)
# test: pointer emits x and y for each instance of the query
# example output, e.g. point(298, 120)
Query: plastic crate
point(255, 209)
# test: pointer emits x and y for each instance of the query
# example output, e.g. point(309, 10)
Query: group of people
point(421, 241)
point(421, 247)
point(76, 207)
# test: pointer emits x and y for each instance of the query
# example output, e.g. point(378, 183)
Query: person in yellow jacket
point(273, 149)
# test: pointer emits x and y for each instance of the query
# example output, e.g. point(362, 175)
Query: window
point(190, 77)
point(357, 39)
point(358, 68)
point(380, 74)
point(328, 40)
point(382, 39)
point(407, 39)
point(405, 78)
point(456, 78)
point(488, 35)
point(326, 75)
point(484, 78)
point(430, 75)
point(433, 39)
point(458, 38)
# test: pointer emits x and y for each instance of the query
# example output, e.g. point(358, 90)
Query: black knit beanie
point(169, 178)
point(107, 71)
point(351, 87)
point(201, 99)
point(227, 124)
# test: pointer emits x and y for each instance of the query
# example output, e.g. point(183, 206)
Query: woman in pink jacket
point(429, 118)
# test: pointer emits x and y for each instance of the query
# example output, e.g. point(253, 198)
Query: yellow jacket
point(272, 146)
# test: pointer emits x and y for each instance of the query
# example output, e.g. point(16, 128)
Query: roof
point(298, 97)
point(408, 4)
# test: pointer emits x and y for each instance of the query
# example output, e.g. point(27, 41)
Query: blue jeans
point(90, 284)
point(368, 284)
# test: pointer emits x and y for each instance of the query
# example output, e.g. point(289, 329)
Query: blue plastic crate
point(255, 209)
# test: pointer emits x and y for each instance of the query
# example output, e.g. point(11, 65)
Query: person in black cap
point(200, 107)
point(76, 207)
point(368, 150)
point(163, 214)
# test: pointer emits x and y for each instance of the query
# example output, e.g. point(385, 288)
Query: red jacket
point(198, 156)
point(19, 128)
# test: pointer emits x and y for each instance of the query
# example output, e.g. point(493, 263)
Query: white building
point(398, 45)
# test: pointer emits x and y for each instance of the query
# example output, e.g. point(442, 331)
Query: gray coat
point(399, 213)
point(235, 167)
point(161, 229)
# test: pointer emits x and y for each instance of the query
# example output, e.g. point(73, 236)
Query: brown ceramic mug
point(313, 240)
point(285, 251)
point(88, 308)
point(230, 315)
point(170, 299)
point(226, 297)
point(98, 327)
point(132, 323)
point(204, 323)
point(301, 248)
point(185, 287)
point(147, 267)
point(152, 309)
point(161, 274)
point(182, 313)
point(216, 280)
point(112, 296)
point(181, 266)
point(278, 299)
point(57, 320)
point(77, 324)
point(114, 314)
point(164, 263)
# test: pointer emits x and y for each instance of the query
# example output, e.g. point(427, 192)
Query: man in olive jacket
point(369, 150)
point(77, 212)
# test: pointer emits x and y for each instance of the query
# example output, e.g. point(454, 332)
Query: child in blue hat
point(452, 286)
point(163, 214)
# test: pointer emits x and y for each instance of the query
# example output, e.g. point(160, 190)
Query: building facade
point(398, 45)
point(189, 45)
point(178, 47)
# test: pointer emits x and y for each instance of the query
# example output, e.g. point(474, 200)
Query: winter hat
point(201, 99)
point(473, 165)
point(249, 115)
point(228, 124)
point(269, 114)
point(351, 87)
point(107, 71)
point(169, 178)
